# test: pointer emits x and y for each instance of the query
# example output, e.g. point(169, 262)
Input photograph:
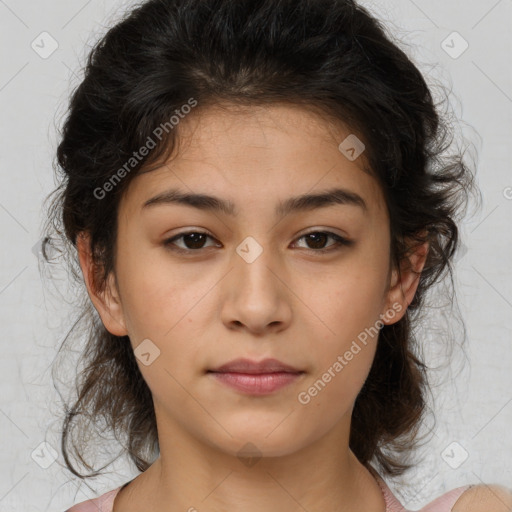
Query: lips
point(247, 366)
point(256, 378)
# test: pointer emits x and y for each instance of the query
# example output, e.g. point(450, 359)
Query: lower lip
point(256, 384)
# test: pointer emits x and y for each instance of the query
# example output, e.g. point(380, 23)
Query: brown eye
point(316, 241)
point(193, 241)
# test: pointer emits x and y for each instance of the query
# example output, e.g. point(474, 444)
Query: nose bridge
point(254, 261)
point(256, 296)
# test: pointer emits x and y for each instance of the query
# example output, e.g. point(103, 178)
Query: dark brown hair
point(331, 56)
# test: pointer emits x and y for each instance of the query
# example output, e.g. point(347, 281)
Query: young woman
point(259, 200)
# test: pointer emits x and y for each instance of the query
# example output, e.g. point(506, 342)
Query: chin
point(260, 442)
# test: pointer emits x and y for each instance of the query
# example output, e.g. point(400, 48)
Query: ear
point(106, 301)
point(404, 284)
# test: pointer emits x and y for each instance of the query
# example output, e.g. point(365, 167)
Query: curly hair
point(331, 56)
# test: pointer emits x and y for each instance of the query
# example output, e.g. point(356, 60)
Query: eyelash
point(340, 242)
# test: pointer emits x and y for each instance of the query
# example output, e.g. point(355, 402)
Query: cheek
point(161, 303)
point(334, 389)
point(352, 303)
point(156, 295)
point(351, 308)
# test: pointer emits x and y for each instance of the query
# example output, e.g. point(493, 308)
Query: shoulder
point(485, 498)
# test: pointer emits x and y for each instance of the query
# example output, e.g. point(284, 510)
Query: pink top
point(443, 503)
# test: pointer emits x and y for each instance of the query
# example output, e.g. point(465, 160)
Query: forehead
point(258, 155)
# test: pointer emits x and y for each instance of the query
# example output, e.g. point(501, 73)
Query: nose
point(256, 295)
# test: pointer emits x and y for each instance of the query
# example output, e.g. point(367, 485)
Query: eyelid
point(168, 242)
point(341, 241)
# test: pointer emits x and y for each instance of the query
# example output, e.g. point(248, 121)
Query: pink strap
point(446, 501)
point(443, 503)
point(103, 503)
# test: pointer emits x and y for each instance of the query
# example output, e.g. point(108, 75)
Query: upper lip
point(254, 367)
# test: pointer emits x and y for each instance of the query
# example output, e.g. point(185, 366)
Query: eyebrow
point(305, 202)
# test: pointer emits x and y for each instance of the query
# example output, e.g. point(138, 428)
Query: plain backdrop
point(466, 45)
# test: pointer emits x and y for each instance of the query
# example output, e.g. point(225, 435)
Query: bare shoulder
point(485, 498)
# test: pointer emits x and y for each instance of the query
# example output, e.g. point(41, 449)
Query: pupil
point(193, 236)
point(315, 236)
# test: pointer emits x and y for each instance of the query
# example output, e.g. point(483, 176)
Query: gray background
point(473, 405)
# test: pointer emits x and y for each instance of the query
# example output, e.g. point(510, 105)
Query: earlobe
point(105, 299)
point(404, 284)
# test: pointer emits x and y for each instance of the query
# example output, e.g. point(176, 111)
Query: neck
point(196, 477)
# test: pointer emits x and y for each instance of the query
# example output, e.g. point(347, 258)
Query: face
point(201, 287)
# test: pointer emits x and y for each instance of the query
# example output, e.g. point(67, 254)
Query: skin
point(290, 303)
